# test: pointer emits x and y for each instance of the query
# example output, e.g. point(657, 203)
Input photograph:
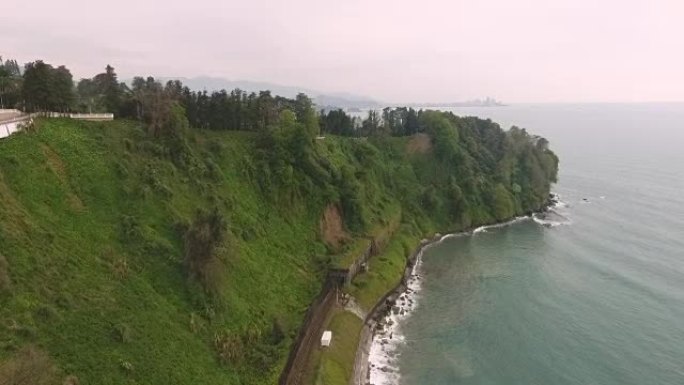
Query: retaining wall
point(9, 127)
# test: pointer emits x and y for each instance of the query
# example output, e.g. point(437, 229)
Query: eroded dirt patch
point(419, 144)
point(332, 227)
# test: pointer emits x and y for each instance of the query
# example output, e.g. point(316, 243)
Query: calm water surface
point(598, 300)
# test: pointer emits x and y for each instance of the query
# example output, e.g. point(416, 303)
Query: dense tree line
point(10, 83)
point(466, 146)
point(42, 87)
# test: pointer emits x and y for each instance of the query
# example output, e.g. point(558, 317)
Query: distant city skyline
point(392, 51)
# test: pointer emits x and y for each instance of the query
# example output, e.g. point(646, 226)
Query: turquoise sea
point(598, 298)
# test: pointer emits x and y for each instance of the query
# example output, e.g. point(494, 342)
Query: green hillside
point(101, 226)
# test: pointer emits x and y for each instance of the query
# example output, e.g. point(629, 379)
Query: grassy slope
point(63, 193)
point(89, 225)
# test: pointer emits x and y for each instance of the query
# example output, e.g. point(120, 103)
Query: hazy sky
point(393, 50)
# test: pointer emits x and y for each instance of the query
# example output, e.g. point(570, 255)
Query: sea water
point(592, 294)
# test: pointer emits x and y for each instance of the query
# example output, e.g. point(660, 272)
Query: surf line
point(381, 337)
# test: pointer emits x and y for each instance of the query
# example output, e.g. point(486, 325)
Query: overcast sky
point(393, 50)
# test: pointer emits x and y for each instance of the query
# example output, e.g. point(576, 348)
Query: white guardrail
point(12, 121)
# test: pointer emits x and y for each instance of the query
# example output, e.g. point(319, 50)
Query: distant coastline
point(486, 102)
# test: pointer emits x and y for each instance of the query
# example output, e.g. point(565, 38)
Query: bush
point(120, 268)
point(122, 333)
point(130, 228)
point(126, 366)
point(128, 144)
point(229, 347)
point(277, 331)
point(46, 313)
point(121, 169)
point(202, 239)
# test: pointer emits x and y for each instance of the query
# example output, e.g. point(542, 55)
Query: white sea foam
point(556, 215)
point(549, 223)
point(483, 229)
point(384, 351)
point(480, 229)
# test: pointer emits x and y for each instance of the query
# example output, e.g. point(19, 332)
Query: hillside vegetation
point(129, 255)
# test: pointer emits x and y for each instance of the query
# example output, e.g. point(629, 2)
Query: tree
point(337, 122)
point(4, 85)
point(502, 204)
point(371, 125)
point(444, 134)
point(46, 88)
point(38, 87)
point(412, 125)
point(63, 89)
point(306, 114)
point(10, 83)
point(108, 89)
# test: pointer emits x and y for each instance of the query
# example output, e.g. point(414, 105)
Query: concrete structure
point(95, 117)
point(102, 117)
point(11, 121)
point(326, 338)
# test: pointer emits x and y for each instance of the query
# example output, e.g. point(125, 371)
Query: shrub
point(130, 228)
point(122, 333)
point(277, 331)
point(202, 239)
point(126, 366)
point(120, 268)
point(46, 313)
point(128, 144)
point(121, 169)
point(229, 347)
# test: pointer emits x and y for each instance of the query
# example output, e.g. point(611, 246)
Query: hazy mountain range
point(322, 99)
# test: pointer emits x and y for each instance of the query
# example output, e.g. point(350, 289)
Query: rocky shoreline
point(380, 323)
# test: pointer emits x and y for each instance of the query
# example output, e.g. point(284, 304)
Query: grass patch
point(337, 361)
point(384, 271)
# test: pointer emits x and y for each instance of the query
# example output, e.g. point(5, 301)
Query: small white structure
point(10, 126)
point(326, 339)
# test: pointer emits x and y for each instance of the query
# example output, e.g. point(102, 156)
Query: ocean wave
point(384, 350)
point(388, 338)
point(549, 223)
point(483, 229)
point(555, 215)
